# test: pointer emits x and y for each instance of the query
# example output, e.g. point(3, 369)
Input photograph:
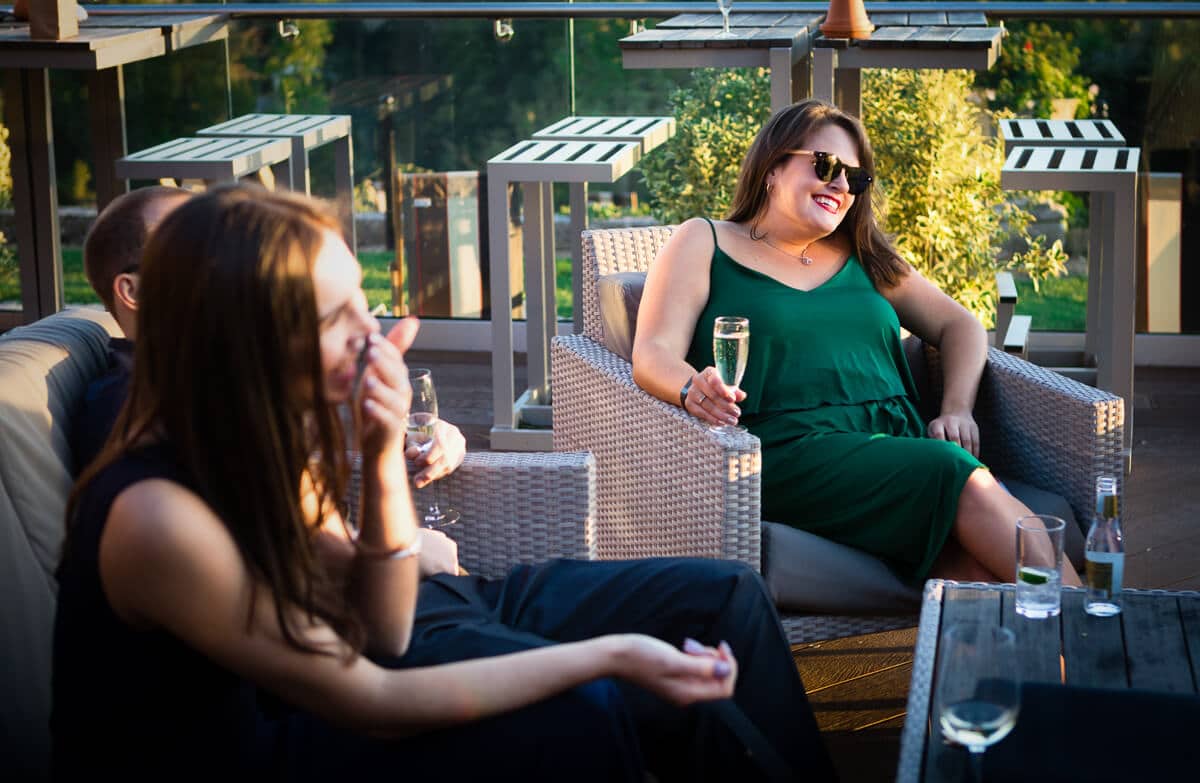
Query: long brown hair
point(227, 372)
point(789, 129)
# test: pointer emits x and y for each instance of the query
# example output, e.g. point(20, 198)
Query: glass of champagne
point(731, 349)
point(724, 6)
point(422, 421)
point(978, 692)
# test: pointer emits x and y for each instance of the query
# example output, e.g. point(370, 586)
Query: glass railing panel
point(432, 99)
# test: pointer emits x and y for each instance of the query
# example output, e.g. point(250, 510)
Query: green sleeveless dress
point(829, 394)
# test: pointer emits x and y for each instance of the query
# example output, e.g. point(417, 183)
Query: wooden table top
point(1153, 645)
point(107, 41)
point(965, 30)
point(750, 31)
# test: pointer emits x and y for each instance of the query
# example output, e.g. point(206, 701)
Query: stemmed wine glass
point(978, 692)
point(731, 349)
point(724, 7)
point(422, 420)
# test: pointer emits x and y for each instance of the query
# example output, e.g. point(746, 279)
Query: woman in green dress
point(827, 388)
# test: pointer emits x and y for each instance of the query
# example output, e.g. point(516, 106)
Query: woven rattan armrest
point(1048, 430)
point(667, 484)
point(519, 508)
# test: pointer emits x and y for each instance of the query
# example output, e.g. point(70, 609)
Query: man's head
point(112, 252)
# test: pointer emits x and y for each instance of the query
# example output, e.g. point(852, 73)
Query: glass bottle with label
point(1105, 552)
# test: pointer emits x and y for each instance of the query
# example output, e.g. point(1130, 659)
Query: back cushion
point(620, 294)
point(44, 370)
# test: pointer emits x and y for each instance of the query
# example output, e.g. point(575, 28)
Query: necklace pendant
point(805, 260)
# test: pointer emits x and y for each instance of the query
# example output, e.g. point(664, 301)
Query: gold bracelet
point(399, 553)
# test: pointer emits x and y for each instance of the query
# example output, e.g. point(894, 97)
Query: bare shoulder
point(160, 538)
point(690, 245)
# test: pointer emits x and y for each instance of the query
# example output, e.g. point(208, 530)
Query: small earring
point(769, 186)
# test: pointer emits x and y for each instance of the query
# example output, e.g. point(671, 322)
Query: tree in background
point(945, 209)
point(716, 117)
point(1037, 66)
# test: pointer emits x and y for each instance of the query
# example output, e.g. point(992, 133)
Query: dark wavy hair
point(227, 372)
point(789, 129)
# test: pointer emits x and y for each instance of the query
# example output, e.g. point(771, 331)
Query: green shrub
point(716, 117)
point(940, 174)
point(1036, 67)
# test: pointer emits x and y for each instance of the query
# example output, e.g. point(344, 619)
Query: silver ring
point(703, 397)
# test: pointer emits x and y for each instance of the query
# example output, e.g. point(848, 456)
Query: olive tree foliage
point(937, 173)
point(940, 174)
point(716, 117)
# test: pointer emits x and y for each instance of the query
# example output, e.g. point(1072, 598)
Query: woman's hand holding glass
point(712, 400)
point(439, 457)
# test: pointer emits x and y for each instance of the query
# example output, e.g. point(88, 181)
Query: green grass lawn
point(1060, 305)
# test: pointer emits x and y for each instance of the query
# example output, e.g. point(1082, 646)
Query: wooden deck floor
point(859, 686)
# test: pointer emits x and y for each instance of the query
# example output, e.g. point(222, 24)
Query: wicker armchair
point(668, 485)
point(519, 508)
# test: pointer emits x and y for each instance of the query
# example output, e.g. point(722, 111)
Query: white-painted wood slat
point(565, 161)
point(211, 159)
point(315, 129)
point(649, 132)
point(1060, 133)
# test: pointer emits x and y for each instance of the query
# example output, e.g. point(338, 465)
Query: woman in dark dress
point(213, 611)
point(827, 388)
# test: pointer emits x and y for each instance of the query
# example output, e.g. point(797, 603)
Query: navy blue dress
point(142, 704)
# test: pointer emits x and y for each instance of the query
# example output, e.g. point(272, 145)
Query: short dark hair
point(116, 239)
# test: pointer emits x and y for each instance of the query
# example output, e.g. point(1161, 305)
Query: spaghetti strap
point(713, 227)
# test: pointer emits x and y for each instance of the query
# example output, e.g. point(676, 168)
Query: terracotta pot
point(54, 19)
point(846, 19)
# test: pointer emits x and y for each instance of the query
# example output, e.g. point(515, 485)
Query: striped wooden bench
point(212, 160)
point(1060, 133)
point(1110, 176)
point(535, 164)
point(305, 132)
point(649, 132)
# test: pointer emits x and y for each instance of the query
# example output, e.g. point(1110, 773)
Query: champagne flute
point(724, 6)
point(731, 350)
point(422, 421)
point(978, 692)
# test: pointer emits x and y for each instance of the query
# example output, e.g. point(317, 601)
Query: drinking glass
point(422, 420)
point(977, 695)
point(724, 7)
point(1039, 566)
point(731, 349)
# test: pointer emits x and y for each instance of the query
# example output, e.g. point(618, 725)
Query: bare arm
point(940, 321)
point(188, 578)
point(675, 294)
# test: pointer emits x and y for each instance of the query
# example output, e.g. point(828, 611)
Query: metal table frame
point(305, 132)
point(535, 165)
point(648, 132)
point(1110, 175)
point(914, 41)
point(777, 41)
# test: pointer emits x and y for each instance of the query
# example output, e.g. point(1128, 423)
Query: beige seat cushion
point(44, 370)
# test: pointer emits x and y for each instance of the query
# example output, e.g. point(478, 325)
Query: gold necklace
point(803, 258)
